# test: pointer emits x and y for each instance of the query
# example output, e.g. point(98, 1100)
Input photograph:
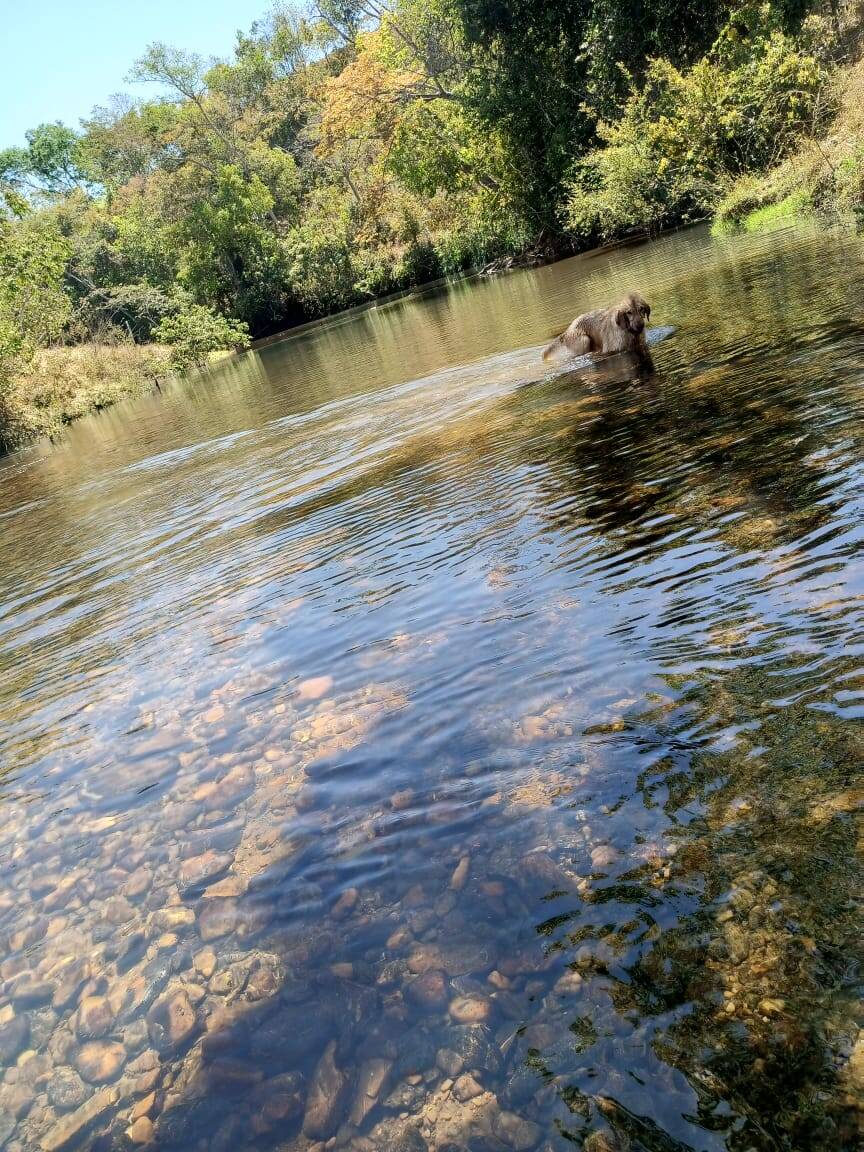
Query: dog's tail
point(553, 347)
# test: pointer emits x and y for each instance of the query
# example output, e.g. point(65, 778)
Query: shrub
point(34, 309)
point(320, 270)
point(194, 333)
point(683, 137)
point(825, 175)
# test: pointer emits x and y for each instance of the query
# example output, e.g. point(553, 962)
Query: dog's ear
point(646, 308)
point(620, 318)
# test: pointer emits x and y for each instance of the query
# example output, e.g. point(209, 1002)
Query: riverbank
point(824, 176)
point(63, 384)
point(66, 383)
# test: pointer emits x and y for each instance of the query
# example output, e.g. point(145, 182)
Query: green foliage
point(229, 254)
point(683, 136)
point(125, 140)
point(33, 306)
point(51, 162)
point(320, 268)
point(539, 62)
point(824, 176)
point(192, 335)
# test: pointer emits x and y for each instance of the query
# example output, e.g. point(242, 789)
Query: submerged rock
point(466, 1088)
point(327, 1097)
point(14, 1034)
point(278, 1099)
point(516, 1132)
point(141, 1131)
point(198, 871)
point(218, 918)
point(476, 1047)
point(95, 1018)
point(171, 1022)
point(371, 1082)
point(71, 1128)
point(428, 991)
point(99, 1061)
point(472, 1009)
point(66, 1090)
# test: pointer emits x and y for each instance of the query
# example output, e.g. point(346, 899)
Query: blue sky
point(62, 57)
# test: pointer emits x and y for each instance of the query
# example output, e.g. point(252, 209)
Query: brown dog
point(617, 329)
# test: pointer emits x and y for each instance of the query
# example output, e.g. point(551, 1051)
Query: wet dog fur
point(620, 328)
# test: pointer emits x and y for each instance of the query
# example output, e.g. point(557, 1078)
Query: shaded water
point(407, 745)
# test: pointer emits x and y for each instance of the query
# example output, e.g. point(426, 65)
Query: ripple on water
point(406, 744)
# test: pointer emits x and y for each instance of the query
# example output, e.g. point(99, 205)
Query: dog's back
point(606, 330)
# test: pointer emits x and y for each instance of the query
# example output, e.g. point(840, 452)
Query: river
point(406, 744)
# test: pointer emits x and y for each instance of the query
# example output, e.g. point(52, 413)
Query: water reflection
point(410, 756)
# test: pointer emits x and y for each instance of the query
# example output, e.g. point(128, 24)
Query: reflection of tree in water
point(738, 960)
point(767, 959)
point(660, 447)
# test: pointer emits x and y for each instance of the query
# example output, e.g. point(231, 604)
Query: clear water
point(407, 744)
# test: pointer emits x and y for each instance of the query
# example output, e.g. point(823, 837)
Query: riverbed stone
point(428, 991)
point(95, 1018)
point(100, 1061)
point(198, 871)
point(218, 918)
point(466, 956)
point(172, 1021)
point(326, 1100)
point(460, 874)
point(371, 1082)
point(603, 856)
point(406, 1096)
point(475, 1045)
point(517, 1133)
point(471, 1009)
point(415, 1052)
point(14, 1035)
point(450, 1062)
point(141, 1131)
point(205, 962)
point(466, 1088)
point(314, 688)
point(69, 1130)
point(345, 904)
point(66, 1090)
point(16, 1099)
point(144, 1107)
point(172, 920)
point(31, 992)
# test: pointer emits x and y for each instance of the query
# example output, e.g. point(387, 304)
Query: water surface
point(407, 744)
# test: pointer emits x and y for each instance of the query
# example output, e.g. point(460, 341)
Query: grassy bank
point(823, 176)
point(63, 384)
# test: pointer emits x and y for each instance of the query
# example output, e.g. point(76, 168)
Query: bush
point(320, 270)
point(194, 333)
point(825, 176)
point(683, 137)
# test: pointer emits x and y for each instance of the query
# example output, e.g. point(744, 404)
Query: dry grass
point(64, 384)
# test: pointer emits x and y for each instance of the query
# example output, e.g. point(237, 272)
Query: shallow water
point(407, 744)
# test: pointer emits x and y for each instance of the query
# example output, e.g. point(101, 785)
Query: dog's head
point(632, 313)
